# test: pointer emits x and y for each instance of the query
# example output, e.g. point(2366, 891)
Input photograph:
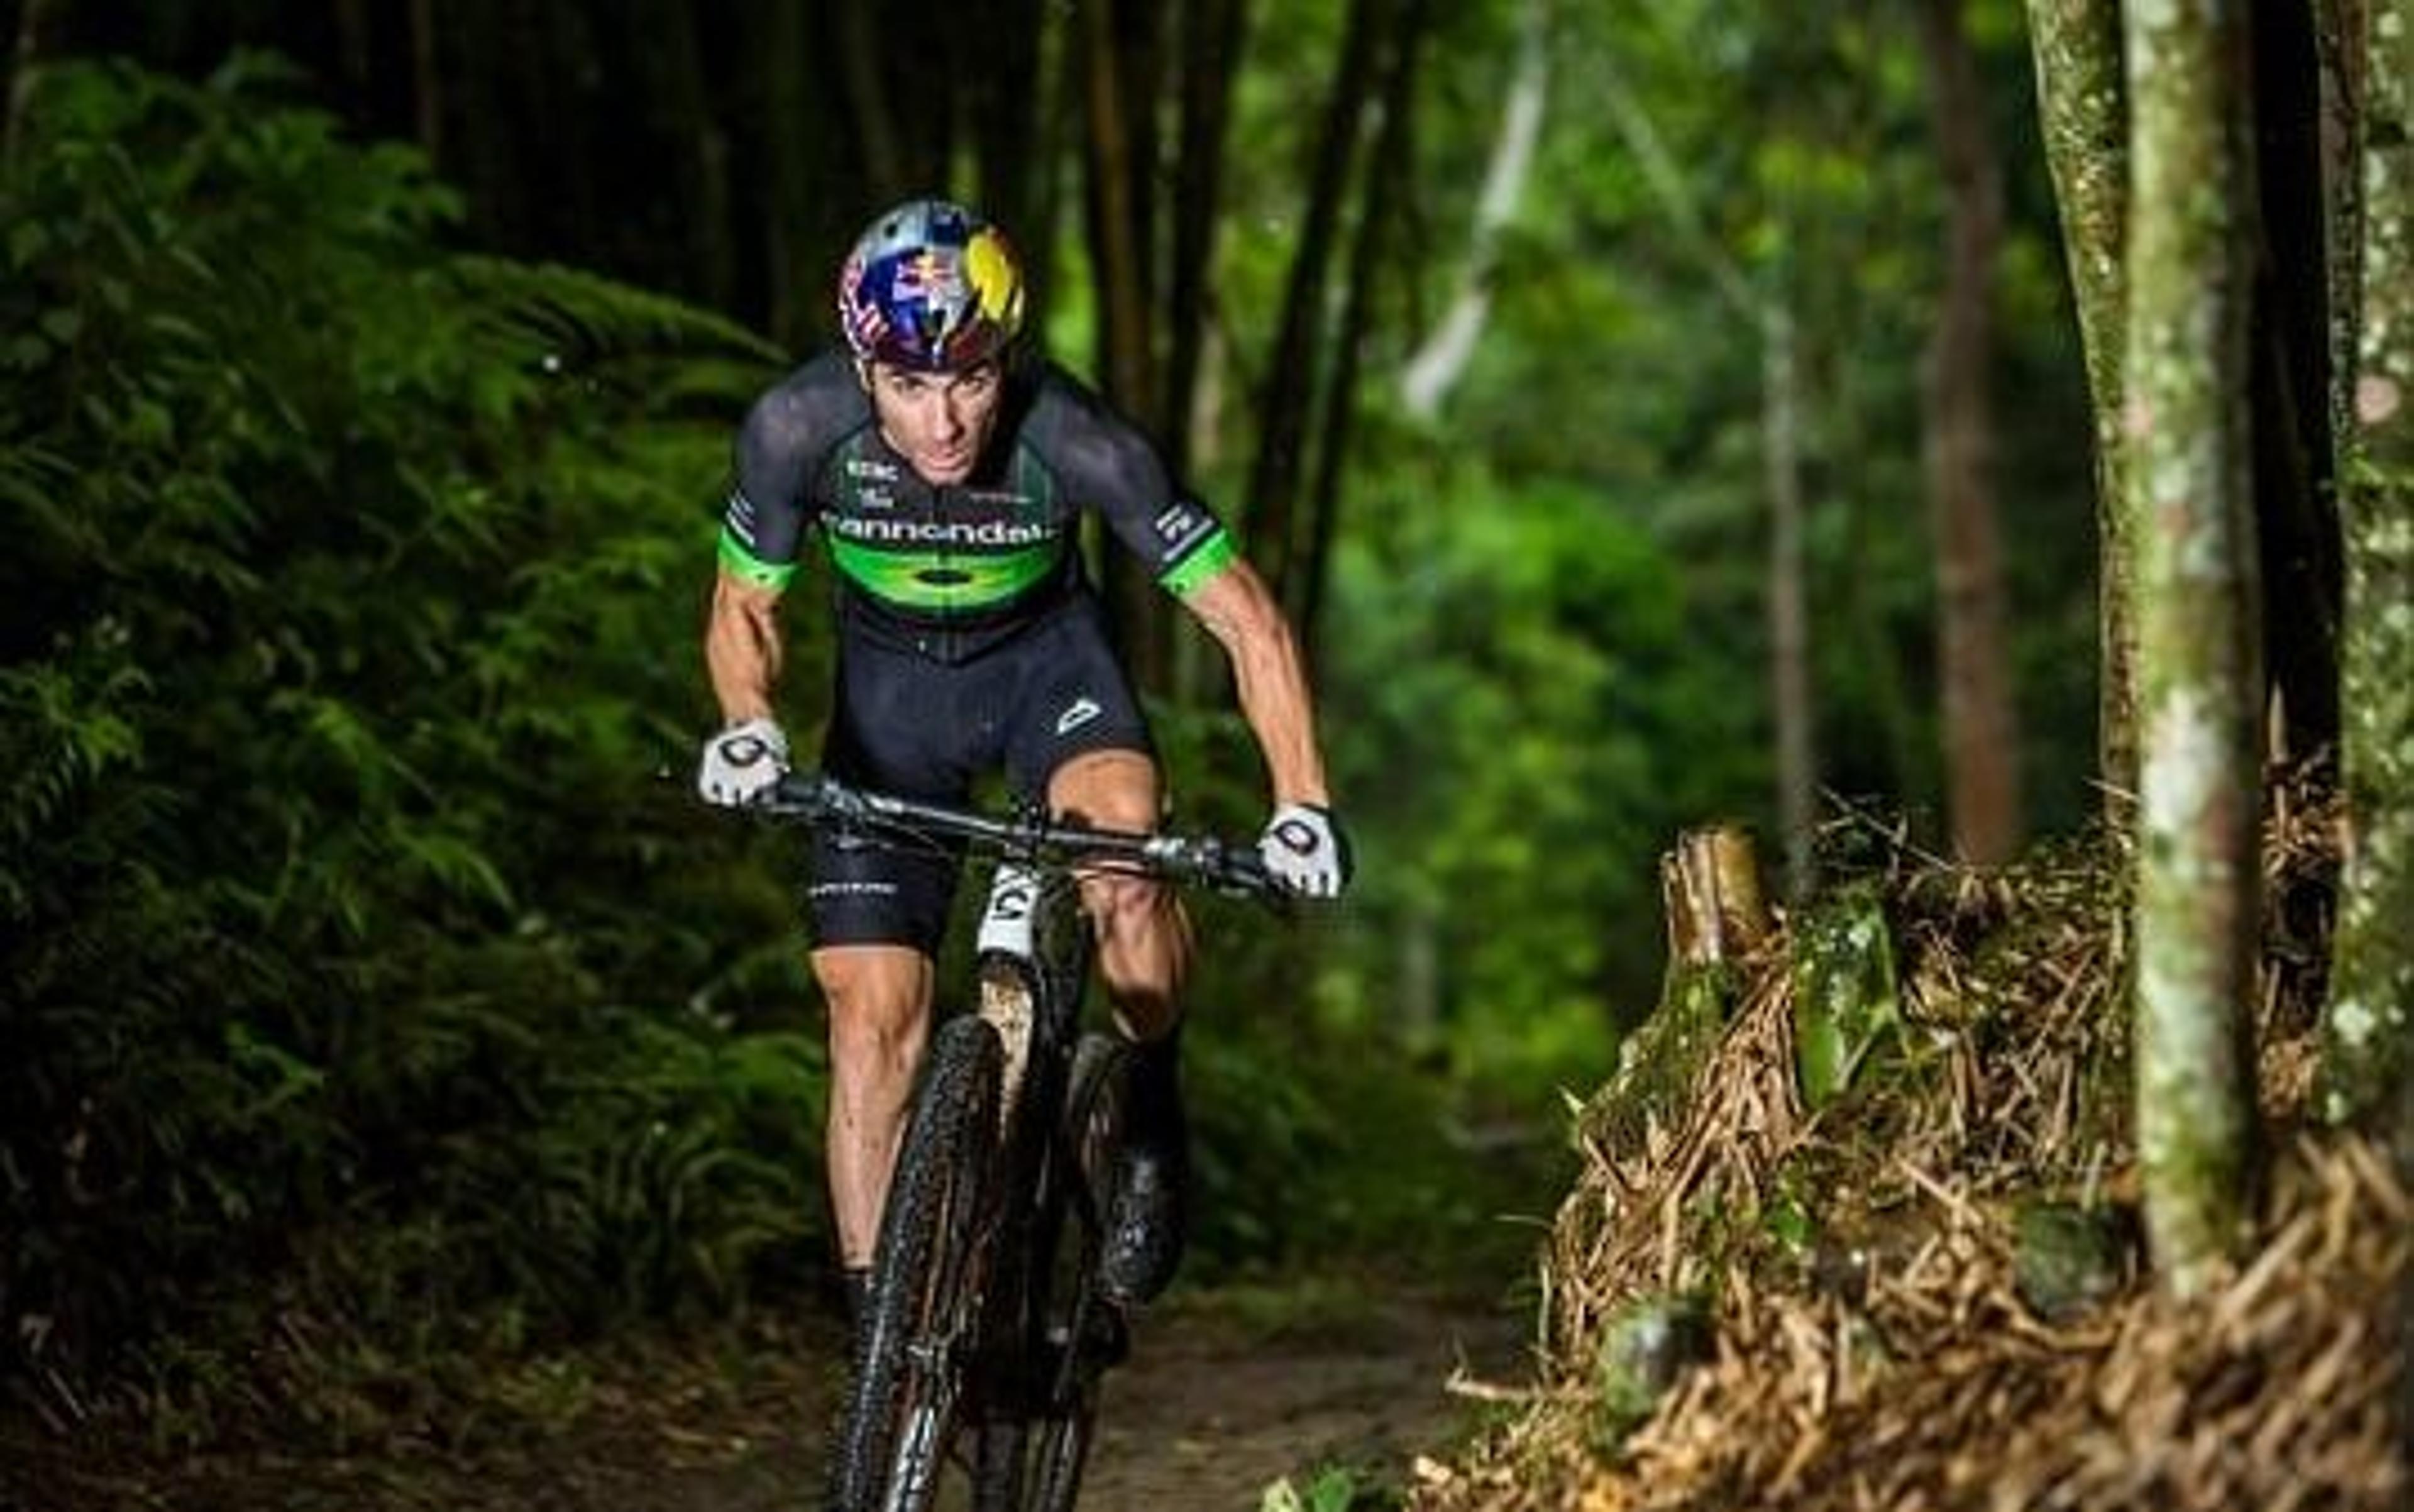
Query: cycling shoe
point(1146, 1216)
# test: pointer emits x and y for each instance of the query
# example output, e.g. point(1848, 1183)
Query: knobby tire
point(1082, 1334)
point(922, 1322)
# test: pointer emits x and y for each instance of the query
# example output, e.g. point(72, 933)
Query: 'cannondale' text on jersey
point(951, 570)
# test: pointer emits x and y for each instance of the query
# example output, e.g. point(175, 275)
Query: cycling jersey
point(969, 638)
point(948, 571)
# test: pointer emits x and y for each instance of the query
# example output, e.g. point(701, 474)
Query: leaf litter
point(1883, 1338)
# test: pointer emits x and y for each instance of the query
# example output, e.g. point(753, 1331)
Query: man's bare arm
point(741, 647)
point(1269, 675)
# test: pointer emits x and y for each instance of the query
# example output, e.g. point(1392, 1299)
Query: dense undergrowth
point(1864, 1231)
point(378, 1005)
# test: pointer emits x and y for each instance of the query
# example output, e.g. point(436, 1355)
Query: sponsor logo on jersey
point(1181, 525)
point(1078, 714)
point(936, 533)
point(741, 518)
point(864, 467)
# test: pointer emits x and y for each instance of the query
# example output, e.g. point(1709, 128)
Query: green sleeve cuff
point(1211, 556)
point(747, 568)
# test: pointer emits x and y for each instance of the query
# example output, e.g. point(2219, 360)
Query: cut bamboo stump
point(1709, 888)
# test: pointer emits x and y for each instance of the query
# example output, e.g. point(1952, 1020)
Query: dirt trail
point(1208, 1415)
point(1224, 1394)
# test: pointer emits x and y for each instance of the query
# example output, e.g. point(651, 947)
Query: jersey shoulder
point(1088, 442)
point(807, 414)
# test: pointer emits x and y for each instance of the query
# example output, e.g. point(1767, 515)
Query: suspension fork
point(1032, 952)
point(1030, 998)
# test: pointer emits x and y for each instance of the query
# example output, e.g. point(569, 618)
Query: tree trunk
point(1006, 82)
point(1982, 731)
point(1789, 613)
point(2083, 103)
point(860, 75)
point(35, 22)
point(1434, 368)
point(685, 95)
point(2365, 1058)
point(1389, 163)
point(2295, 473)
point(552, 140)
point(1284, 408)
point(427, 81)
point(1122, 173)
point(2200, 684)
point(1118, 85)
point(2340, 49)
point(356, 52)
point(1212, 52)
point(795, 294)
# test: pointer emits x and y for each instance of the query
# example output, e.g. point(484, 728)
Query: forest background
point(1583, 375)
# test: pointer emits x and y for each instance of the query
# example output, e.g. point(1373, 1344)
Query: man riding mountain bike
point(948, 468)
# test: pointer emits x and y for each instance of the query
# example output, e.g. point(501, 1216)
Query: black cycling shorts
point(902, 723)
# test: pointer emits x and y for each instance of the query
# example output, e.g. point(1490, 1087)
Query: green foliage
point(1846, 1006)
point(1534, 653)
point(350, 935)
point(365, 976)
point(1330, 1489)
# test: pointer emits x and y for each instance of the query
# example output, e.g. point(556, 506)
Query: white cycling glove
point(1305, 851)
point(741, 762)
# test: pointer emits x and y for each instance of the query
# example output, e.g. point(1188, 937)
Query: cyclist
point(948, 468)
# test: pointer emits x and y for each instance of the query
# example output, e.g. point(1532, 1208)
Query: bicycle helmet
point(931, 286)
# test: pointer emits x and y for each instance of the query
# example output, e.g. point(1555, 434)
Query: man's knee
point(1111, 789)
point(878, 997)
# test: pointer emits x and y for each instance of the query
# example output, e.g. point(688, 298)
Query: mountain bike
point(984, 1336)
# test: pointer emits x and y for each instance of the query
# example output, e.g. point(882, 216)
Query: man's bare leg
point(1143, 936)
point(879, 1020)
point(1144, 955)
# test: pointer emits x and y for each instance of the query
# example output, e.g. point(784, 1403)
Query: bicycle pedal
point(1106, 1341)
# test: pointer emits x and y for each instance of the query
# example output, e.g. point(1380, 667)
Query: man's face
point(939, 422)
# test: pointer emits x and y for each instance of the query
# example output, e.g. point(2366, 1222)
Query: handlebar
point(1196, 861)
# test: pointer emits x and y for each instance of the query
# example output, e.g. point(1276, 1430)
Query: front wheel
point(920, 1329)
point(1083, 1332)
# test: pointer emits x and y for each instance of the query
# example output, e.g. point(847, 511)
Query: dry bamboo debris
point(1933, 1385)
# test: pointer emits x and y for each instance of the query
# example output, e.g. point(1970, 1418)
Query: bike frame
point(1032, 1359)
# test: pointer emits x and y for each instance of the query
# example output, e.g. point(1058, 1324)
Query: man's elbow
point(1239, 609)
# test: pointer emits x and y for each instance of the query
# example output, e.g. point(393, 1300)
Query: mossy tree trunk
point(2372, 983)
point(2198, 677)
point(2083, 104)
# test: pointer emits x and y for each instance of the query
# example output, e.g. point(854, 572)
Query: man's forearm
point(741, 648)
point(1270, 677)
point(1272, 683)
